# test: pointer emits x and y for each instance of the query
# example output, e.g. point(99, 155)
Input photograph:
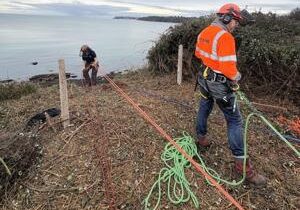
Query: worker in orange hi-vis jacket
point(216, 50)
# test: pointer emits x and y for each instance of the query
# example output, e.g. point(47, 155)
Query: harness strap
point(205, 74)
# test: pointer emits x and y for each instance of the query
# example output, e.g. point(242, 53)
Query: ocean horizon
point(120, 44)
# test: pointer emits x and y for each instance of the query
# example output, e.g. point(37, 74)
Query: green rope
point(180, 191)
point(5, 166)
point(178, 187)
point(255, 112)
point(173, 174)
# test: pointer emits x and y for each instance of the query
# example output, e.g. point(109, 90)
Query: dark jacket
point(89, 55)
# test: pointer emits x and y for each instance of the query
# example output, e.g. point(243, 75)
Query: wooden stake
point(63, 89)
point(179, 66)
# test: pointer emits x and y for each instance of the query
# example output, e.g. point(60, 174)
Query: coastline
point(109, 156)
point(53, 77)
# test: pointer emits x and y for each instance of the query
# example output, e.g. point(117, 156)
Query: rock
point(48, 77)
point(41, 117)
point(6, 81)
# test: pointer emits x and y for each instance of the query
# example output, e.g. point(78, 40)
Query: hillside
point(110, 155)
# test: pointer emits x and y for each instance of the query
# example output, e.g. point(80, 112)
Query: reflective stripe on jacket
point(216, 48)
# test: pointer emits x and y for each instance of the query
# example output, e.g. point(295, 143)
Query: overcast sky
point(137, 7)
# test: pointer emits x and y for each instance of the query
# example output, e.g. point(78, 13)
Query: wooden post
point(63, 89)
point(179, 66)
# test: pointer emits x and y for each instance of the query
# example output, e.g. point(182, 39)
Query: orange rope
point(164, 134)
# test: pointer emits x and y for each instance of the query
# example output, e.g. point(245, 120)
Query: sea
point(120, 44)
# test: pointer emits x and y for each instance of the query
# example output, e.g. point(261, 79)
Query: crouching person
point(90, 63)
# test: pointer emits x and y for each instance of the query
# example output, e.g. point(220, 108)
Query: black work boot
point(251, 175)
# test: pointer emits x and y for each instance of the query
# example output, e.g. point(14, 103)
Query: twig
point(82, 153)
point(40, 206)
point(77, 129)
point(53, 159)
point(53, 190)
point(238, 198)
point(86, 189)
point(74, 132)
point(5, 166)
point(52, 173)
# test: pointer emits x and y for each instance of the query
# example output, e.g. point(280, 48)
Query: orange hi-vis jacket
point(216, 48)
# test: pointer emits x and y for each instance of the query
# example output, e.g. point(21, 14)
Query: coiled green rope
point(173, 174)
point(178, 187)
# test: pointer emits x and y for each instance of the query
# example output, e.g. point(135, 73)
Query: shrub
point(162, 57)
point(295, 14)
point(268, 55)
point(15, 91)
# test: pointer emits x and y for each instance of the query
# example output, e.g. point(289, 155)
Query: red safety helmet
point(231, 9)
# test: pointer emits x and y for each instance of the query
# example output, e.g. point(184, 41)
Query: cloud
point(208, 5)
point(73, 8)
point(81, 9)
point(135, 7)
point(92, 8)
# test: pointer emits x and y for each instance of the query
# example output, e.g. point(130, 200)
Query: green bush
point(269, 57)
point(15, 91)
point(295, 14)
point(162, 57)
point(268, 53)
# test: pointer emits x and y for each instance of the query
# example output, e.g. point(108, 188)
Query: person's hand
point(94, 65)
point(238, 77)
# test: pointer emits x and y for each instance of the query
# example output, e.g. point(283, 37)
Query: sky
point(137, 7)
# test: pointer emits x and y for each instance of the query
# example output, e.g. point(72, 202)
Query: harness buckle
point(222, 79)
point(218, 78)
point(215, 77)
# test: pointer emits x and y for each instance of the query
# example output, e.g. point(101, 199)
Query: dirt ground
point(109, 157)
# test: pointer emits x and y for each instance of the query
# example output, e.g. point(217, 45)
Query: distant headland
point(169, 19)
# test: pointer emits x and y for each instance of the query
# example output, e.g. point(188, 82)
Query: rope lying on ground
point(208, 174)
point(176, 164)
point(255, 112)
point(169, 138)
point(174, 174)
point(186, 105)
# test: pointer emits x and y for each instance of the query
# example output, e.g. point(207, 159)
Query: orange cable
point(164, 134)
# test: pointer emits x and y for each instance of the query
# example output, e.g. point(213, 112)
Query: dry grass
point(110, 155)
point(15, 91)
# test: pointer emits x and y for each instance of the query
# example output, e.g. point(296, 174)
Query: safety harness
point(212, 76)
